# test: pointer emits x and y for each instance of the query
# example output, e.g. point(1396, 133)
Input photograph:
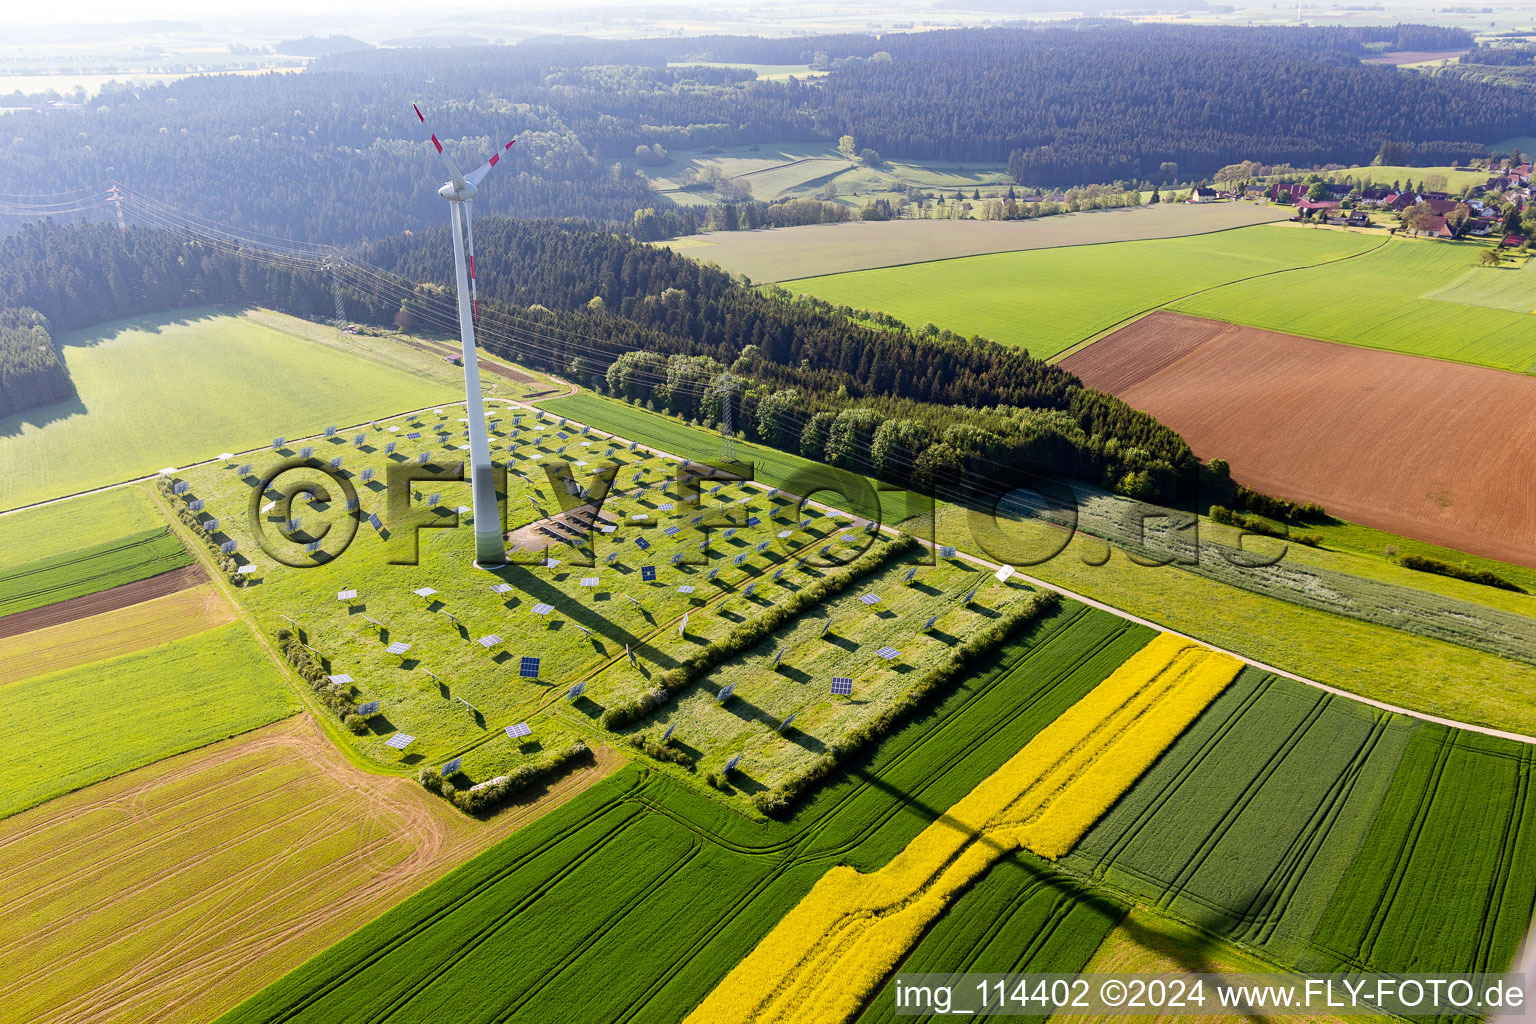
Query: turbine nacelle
point(458, 191)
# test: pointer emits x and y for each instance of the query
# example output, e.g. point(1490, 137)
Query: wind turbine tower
point(460, 191)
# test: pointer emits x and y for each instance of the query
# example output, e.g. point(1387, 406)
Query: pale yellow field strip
point(834, 949)
point(120, 631)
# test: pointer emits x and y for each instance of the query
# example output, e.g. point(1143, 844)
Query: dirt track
point(1438, 451)
point(103, 600)
point(192, 883)
point(447, 349)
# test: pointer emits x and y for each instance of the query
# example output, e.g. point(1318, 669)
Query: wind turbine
point(460, 191)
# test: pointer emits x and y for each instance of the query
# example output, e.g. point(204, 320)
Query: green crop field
point(1401, 297)
point(1511, 286)
point(81, 546)
point(1049, 300)
point(236, 384)
point(591, 890)
point(69, 729)
point(1284, 816)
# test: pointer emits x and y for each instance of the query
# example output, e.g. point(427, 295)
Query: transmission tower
point(340, 322)
point(115, 198)
point(725, 387)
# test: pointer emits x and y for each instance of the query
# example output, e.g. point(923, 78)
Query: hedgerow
point(753, 631)
point(482, 797)
point(1460, 572)
point(227, 565)
point(335, 696)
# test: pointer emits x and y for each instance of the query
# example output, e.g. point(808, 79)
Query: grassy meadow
point(1419, 296)
point(68, 729)
point(236, 385)
point(1049, 300)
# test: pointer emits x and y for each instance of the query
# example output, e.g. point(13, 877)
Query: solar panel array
point(307, 451)
point(842, 686)
point(542, 609)
point(648, 573)
point(245, 469)
point(589, 581)
point(180, 487)
point(519, 730)
point(340, 678)
point(489, 640)
point(399, 741)
point(397, 648)
point(424, 592)
point(366, 475)
point(528, 667)
point(346, 595)
point(228, 547)
point(370, 708)
point(870, 599)
point(888, 653)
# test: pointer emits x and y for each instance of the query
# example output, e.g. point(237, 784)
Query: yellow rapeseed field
point(835, 948)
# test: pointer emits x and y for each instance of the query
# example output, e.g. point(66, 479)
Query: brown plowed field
point(103, 600)
point(175, 891)
point(1438, 451)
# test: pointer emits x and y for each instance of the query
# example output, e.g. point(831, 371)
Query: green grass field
point(69, 729)
point(1511, 287)
point(1400, 297)
point(1049, 300)
point(181, 387)
point(81, 546)
point(655, 888)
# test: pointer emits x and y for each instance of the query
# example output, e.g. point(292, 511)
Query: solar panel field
point(589, 891)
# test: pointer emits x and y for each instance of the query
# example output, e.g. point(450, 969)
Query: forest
point(334, 155)
point(958, 415)
point(31, 372)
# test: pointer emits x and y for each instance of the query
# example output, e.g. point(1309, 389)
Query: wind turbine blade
point(474, 177)
point(453, 169)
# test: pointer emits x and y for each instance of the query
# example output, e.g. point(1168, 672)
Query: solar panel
point(870, 599)
point(292, 526)
point(787, 722)
point(642, 544)
point(433, 499)
point(630, 655)
point(336, 462)
point(666, 507)
point(359, 439)
point(562, 435)
point(352, 505)
point(424, 592)
point(366, 475)
point(340, 678)
point(685, 589)
point(550, 563)
point(971, 596)
point(278, 442)
point(306, 451)
point(762, 547)
point(518, 731)
point(842, 686)
point(773, 492)
point(730, 532)
point(389, 448)
point(346, 595)
point(732, 763)
point(783, 533)
point(946, 551)
point(675, 559)
point(245, 470)
point(648, 573)
point(501, 588)
point(888, 653)
point(668, 734)
point(400, 741)
point(374, 521)
point(932, 619)
point(805, 524)
point(682, 627)
point(543, 609)
point(754, 521)
point(330, 431)
point(712, 574)
point(716, 489)
point(912, 572)
point(370, 708)
point(725, 693)
point(423, 458)
point(825, 625)
point(739, 558)
point(778, 656)
point(589, 581)
point(634, 446)
point(228, 547)
point(397, 648)
point(750, 589)
point(671, 531)
point(1004, 574)
point(414, 435)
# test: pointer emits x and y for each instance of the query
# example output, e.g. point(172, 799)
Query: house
point(1309, 205)
point(1358, 219)
point(1398, 201)
point(1203, 195)
point(1441, 207)
point(1437, 228)
point(1513, 241)
point(1482, 226)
